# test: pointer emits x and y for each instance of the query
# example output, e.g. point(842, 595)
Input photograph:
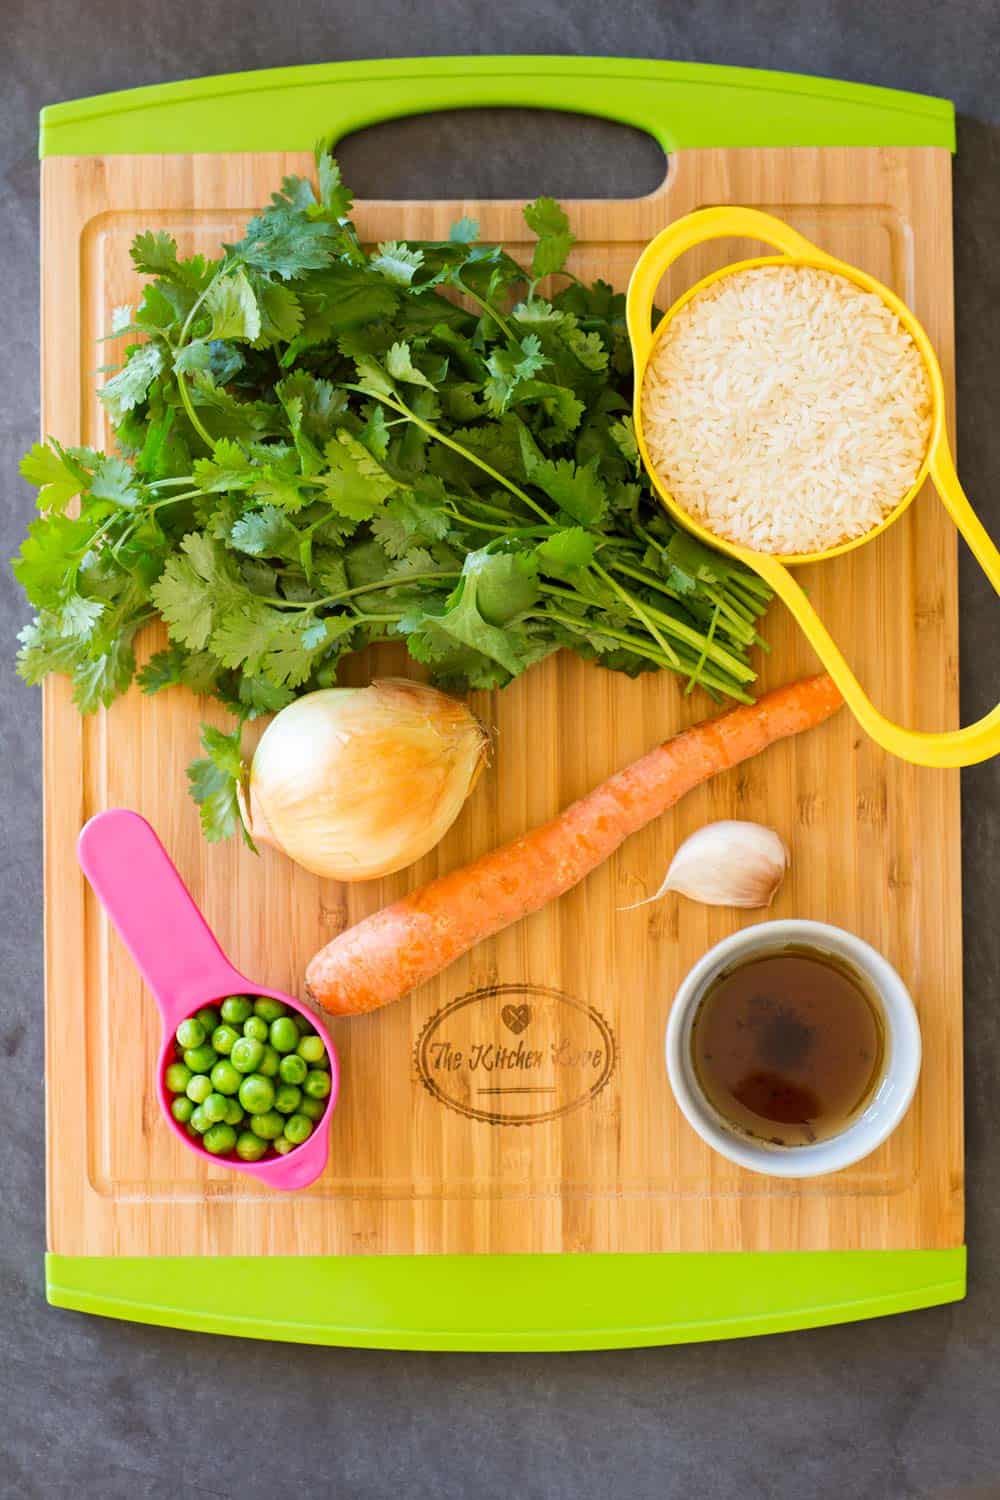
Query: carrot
point(389, 953)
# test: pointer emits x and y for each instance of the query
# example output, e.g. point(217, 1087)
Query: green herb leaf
point(284, 242)
point(566, 553)
point(60, 479)
point(509, 368)
point(400, 366)
point(464, 231)
point(546, 219)
point(214, 782)
point(354, 482)
point(129, 387)
point(233, 306)
point(397, 262)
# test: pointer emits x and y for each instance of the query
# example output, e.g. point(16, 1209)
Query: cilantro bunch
point(321, 446)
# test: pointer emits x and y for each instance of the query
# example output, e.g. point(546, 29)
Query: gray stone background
point(904, 1407)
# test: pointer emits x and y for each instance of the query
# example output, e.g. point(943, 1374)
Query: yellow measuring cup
point(958, 747)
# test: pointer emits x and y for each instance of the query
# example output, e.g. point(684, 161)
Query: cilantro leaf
point(465, 620)
point(335, 199)
point(214, 781)
point(464, 231)
point(354, 482)
point(197, 584)
point(130, 386)
point(49, 554)
point(100, 679)
point(406, 522)
point(576, 488)
point(546, 219)
point(176, 667)
point(233, 306)
point(281, 313)
point(284, 242)
point(399, 363)
point(114, 480)
point(623, 436)
point(564, 553)
point(59, 478)
point(397, 262)
point(509, 368)
point(265, 533)
point(229, 468)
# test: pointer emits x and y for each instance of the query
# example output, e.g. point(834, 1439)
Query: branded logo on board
point(515, 1054)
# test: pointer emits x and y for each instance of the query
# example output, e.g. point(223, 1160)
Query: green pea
point(209, 1018)
point(219, 1139)
point(323, 1063)
point(312, 1049)
point(256, 1094)
point(199, 1120)
point(190, 1130)
point(223, 1038)
point(313, 1109)
point(269, 1010)
point(177, 1077)
point(225, 1078)
point(246, 1054)
point(268, 1125)
point(282, 1145)
point(303, 1023)
point(199, 1087)
point(298, 1128)
point(256, 1027)
point(269, 1063)
point(233, 1112)
point(190, 1033)
point(201, 1059)
point(215, 1107)
point(182, 1109)
point(287, 1099)
point(317, 1085)
point(236, 1009)
point(292, 1069)
point(284, 1034)
point(250, 1147)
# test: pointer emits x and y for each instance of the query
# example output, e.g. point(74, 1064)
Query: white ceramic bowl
point(900, 1071)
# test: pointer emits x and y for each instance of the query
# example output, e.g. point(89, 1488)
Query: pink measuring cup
point(185, 968)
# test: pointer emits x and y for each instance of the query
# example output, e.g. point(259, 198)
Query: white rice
point(786, 409)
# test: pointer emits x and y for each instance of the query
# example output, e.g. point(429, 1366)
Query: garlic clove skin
point(728, 864)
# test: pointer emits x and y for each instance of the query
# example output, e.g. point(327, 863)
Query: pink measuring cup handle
point(154, 914)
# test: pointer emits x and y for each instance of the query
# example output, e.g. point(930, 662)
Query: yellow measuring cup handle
point(955, 747)
point(694, 229)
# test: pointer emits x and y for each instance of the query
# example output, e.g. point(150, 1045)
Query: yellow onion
point(353, 783)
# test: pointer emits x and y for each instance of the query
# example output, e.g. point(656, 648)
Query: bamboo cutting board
point(434, 1154)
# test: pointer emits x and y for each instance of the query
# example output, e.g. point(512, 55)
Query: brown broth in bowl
point(789, 1046)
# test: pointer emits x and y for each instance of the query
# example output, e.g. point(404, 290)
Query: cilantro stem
point(705, 650)
point(396, 403)
point(742, 630)
point(182, 385)
point(398, 580)
point(456, 515)
point(691, 638)
point(642, 648)
point(487, 308)
point(638, 610)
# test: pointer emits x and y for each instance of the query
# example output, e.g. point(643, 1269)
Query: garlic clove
point(727, 864)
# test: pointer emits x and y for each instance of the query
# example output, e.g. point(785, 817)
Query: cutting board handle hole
point(501, 153)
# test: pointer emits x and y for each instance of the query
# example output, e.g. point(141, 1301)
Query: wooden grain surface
point(414, 1165)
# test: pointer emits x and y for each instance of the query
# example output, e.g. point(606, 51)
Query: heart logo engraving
point(516, 1017)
